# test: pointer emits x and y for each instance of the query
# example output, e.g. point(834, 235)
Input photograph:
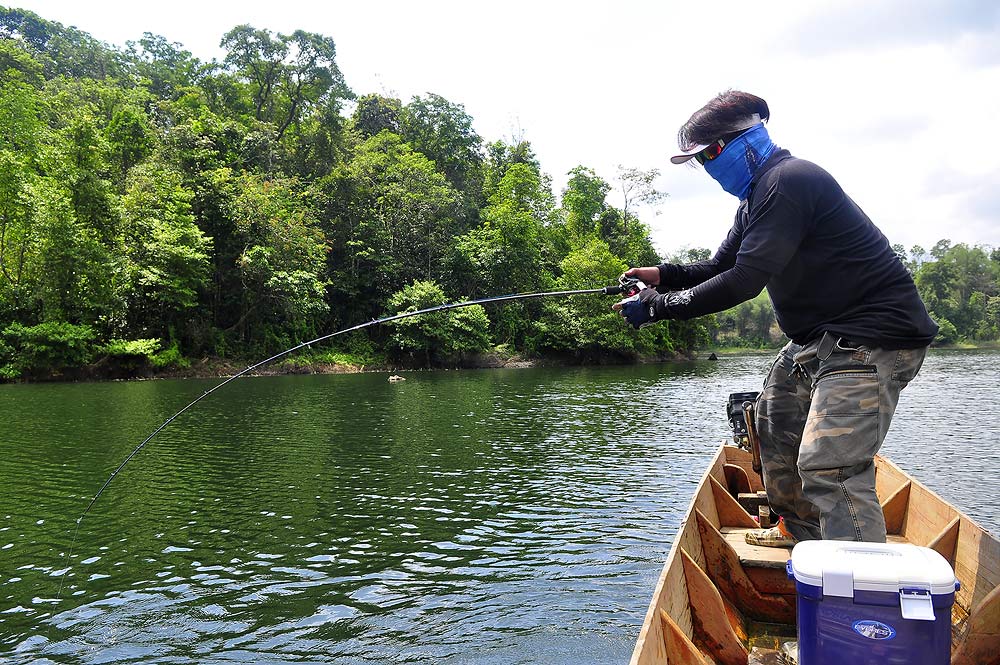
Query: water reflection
point(486, 516)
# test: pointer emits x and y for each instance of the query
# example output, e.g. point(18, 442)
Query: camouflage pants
point(822, 416)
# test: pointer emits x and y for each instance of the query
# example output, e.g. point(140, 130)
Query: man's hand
point(650, 275)
point(640, 309)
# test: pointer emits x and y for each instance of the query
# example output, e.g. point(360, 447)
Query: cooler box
point(862, 603)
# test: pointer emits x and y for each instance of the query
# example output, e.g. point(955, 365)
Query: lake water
point(493, 516)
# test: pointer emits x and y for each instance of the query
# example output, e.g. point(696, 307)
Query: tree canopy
point(155, 205)
point(152, 203)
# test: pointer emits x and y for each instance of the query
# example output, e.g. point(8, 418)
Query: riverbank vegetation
point(158, 211)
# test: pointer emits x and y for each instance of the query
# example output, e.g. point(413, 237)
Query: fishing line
point(623, 287)
point(626, 286)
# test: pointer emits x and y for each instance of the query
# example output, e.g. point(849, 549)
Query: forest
point(157, 210)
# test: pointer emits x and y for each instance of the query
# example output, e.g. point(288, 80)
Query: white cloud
point(897, 99)
point(862, 25)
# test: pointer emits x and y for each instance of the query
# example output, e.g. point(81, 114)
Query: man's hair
point(712, 121)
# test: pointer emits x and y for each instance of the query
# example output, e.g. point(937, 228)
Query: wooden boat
point(718, 598)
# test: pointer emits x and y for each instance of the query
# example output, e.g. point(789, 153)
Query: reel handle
point(627, 286)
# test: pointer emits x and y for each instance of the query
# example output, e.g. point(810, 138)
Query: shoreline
point(216, 368)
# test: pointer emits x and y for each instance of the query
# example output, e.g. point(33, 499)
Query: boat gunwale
point(651, 646)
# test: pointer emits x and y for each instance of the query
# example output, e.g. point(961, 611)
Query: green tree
point(287, 76)
point(165, 256)
point(989, 327)
point(130, 138)
point(282, 264)
point(166, 68)
point(586, 326)
point(22, 139)
point(70, 265)
point(917, 257)
point(633, 244)
point(375, 113)
point(584, 202)
point(694, 333)
point(691, 255)
point(42, 348)
point(83, 161)
point(500, 156)
point(747, 324)
point(505, 254)
point(396, 224)
point(934, 281)
point(257, 58)
point(949, 285)
point(437, 337)
point(443, 132)
point(213, 153)
point(940, 248)
point(55, 213)
point(60, 50)
point(312, 78)
point(947, 333)
point(16, 63)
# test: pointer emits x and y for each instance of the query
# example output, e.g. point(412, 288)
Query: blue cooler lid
point(841, 567)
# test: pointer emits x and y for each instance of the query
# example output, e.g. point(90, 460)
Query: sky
point(898, 99)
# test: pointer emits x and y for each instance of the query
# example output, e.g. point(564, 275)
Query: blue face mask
point(740, 159)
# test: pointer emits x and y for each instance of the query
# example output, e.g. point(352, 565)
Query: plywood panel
point(680, 647)
point(773, 581)
point(977, 564)
point(753, 555)
point(926, 515)
point(737, 480)
point(670, 595)
point(728, 574)
point(713, 620)
point(894, 508)
point(946, 542)
point(744, 459)
point(730, 512)
point(982, 640)
point(888, 477)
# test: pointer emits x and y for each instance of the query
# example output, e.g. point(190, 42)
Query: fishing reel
point(627, 287)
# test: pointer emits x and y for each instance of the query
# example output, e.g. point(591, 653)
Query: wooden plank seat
point(755, 556)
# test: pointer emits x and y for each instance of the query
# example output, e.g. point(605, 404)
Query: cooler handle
point(789, 570)
point(916, 604)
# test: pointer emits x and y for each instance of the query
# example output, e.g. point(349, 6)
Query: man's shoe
point(773, 537)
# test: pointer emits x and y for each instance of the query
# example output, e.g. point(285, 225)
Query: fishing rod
point(627, 286)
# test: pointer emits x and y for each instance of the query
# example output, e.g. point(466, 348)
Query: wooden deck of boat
point(755, 556)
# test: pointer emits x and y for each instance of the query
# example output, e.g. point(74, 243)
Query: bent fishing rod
point(627, 287)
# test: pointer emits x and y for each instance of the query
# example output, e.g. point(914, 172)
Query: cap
point(738, 126)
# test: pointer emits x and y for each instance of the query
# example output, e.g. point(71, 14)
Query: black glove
point(640, 309)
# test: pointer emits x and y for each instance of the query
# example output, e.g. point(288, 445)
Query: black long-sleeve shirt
point(827, 267)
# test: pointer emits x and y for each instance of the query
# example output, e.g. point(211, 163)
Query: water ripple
point(488, 517)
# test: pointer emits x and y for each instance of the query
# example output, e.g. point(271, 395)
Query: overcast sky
point(898, 99)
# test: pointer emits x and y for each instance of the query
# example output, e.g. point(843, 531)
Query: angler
point(859, 331)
